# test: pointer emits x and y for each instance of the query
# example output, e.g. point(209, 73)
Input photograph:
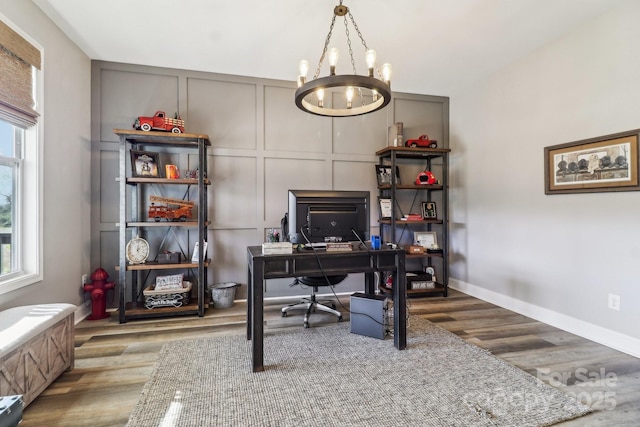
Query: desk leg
point(249, 298)
point(400, 304)
point(369, 283)
point(257, 316)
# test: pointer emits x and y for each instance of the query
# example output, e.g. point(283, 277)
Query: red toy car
point(422, 141)
point(160, 122)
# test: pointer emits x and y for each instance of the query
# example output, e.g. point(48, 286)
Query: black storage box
point(169, 258)
point(11, 410)
point(420, 280)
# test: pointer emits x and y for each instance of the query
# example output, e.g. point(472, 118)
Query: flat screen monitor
point(320, 216)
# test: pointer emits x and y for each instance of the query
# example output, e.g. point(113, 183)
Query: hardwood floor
point(113, 361)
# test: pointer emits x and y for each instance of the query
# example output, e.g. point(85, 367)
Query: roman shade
point(18, 58)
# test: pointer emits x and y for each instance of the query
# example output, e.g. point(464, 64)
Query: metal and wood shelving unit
point(403, 200)
point(133, 222)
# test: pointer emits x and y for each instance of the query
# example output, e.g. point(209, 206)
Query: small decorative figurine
point(422, 141)
point(98, 288)
point(160, 122)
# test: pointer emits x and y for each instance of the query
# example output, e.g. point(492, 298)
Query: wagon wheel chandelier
point(363, 94)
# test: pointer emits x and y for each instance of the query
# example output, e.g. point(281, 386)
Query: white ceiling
point(435, 46)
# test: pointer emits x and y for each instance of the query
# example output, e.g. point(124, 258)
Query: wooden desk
point(305, 263)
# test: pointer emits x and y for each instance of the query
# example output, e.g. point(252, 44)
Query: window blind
point(18, 58)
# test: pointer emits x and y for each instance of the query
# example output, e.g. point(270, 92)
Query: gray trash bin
point(223, 294)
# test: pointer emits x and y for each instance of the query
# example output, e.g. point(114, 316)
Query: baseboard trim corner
point(596, 333)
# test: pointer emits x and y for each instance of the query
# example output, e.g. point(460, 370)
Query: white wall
point(66, 160)
point(553, 257)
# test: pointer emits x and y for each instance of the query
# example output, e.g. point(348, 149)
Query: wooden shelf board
point(419, 221)
point(161, 138)
point(412, 187)
point(417, 152)
point(137, 310)
point(151, 265)
point(423, 255)
point(165, 224)
point(439, 289)
point(143, 180)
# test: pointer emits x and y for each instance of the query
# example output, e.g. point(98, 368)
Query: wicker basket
point(167, 298)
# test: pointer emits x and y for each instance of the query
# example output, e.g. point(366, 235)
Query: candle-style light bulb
point(320, 95)
point(303, 67)
point(333, 54)
point(349, 96)
point(370, 57)
point(386, 73)
point(374, 93)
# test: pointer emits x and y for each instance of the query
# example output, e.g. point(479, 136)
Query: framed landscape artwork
point(607, 163)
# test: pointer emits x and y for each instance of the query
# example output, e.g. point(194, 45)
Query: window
point(20, 148)
point(11, 138)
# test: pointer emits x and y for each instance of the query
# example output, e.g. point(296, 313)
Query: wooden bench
point(36, 346)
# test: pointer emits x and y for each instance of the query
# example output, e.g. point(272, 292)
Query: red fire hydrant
point(98, 289)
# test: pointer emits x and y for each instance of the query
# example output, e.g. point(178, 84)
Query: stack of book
point(412, 217)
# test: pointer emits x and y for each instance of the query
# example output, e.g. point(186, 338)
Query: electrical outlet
point(84, 279)
point(614, 302)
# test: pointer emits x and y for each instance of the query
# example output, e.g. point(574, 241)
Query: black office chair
point(311, 304)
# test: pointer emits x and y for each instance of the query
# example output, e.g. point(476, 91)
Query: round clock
point(137, 250)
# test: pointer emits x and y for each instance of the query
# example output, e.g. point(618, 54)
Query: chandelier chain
point(364, 43)
point(353, 63)
point(355, 26)
point(326, 46)
point(346, 29)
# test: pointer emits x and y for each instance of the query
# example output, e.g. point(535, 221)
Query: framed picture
point(383, 173)
point(385, 208)
point(426, 239)
point(429, 210)
point(606, 163)
point(145, 164)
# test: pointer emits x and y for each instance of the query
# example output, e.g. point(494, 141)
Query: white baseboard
point(82, 311)
point(604, 336)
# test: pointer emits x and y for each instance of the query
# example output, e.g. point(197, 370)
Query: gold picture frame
point(606, 163)
point(426, 239)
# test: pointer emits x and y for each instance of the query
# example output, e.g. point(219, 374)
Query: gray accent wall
point(262, 146)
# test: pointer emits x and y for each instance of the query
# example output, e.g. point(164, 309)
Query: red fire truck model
point(182, 212)
point(160, 122)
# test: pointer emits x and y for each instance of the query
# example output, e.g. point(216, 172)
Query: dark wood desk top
point(306, 262)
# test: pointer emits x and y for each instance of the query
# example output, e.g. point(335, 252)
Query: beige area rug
point(326, 376)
